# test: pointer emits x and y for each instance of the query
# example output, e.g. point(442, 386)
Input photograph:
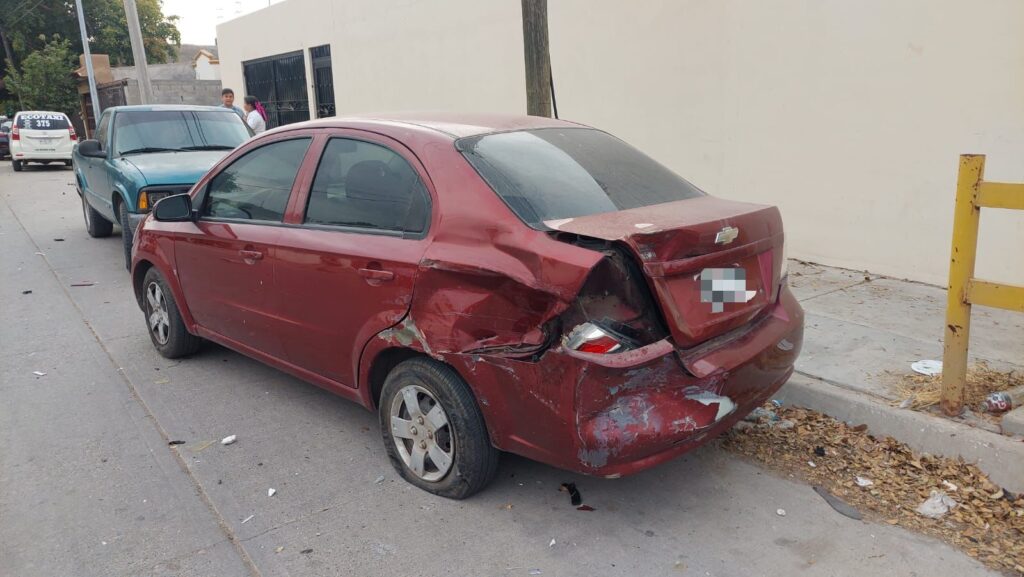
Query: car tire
point(95, 224)
point(127, 235)
point(163, 319)
point(16, 165)
point(462, 460)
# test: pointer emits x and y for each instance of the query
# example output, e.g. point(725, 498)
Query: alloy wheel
point(159, 321)
point(422, 433)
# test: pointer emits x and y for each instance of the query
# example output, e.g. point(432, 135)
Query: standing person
point(227, 100)
point(255, 115)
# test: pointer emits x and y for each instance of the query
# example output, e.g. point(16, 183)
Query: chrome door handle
point(251, 255)
point(376, 274)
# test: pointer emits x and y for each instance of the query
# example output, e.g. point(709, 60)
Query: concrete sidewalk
point(863, 330)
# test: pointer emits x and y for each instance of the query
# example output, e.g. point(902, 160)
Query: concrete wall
point(392, 54)
point(169, 71)
point(848, 115)
point(199, 92)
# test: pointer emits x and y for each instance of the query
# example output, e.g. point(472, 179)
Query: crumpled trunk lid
point(690, 246)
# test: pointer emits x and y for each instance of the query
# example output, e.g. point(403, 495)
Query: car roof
point(39, 112)
point(157, 107)
point(453, 124)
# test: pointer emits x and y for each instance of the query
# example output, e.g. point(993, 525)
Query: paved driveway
point(89, 485)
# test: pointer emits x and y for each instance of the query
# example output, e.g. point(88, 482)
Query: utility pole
point(537, 57)
point(88, 67)
point(138, 52)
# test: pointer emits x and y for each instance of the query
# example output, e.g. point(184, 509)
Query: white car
point(41, 136)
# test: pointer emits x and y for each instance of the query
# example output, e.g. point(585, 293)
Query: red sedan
point(484, 283)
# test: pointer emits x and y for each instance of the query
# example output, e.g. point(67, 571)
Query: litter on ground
point(271, 492)
point(937, 505)
point(228, 440)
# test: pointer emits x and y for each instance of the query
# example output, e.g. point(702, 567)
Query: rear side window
point(364, 185)
point(556, 173)
point(42, 121)
point(257, 185)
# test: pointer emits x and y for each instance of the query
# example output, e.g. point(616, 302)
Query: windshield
point(556, 173)
point(161, 130)
point(42, 121)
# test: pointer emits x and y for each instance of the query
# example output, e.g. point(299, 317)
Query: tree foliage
point(27, 24)
point(43, 83)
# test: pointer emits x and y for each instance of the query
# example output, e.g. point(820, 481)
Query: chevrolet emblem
point(727, 235)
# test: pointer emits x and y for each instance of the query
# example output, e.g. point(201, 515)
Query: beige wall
point(393, 54)
point(848, 115)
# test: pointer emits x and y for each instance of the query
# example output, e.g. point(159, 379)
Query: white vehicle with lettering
point(41, 136)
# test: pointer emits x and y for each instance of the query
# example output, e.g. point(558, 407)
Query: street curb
point(1000, 457)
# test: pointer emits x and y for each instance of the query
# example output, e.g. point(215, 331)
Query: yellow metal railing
point(972, 193)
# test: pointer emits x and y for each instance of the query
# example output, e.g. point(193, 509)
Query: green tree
point(23, 22)
point(44, 81)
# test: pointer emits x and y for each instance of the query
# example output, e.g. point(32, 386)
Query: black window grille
point(323, 80)
point(279, 82)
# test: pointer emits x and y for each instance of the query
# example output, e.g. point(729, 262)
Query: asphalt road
point(90, 487)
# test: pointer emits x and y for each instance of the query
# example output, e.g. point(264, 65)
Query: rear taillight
point(613, 311)
point(15, 134)
point(71, 132)
point(591, 338)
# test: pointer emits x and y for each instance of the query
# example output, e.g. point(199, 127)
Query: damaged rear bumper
point(613, 415)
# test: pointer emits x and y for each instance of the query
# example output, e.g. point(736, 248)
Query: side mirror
point(91, 149)
point(177, 208)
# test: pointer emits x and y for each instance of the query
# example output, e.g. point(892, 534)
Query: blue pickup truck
point(141, 154)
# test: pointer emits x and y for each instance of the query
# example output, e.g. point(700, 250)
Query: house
point(849, 116)
point(206, 65)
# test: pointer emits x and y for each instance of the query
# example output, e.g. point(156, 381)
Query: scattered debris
point(786, 425)
point(176, 443)
point(39, 373)
point(552, 543)
point(247, 519)
point(306, 551)
point(863, 481)
point(936, 505)
point(163, 381)
point(26, 292)
point(582, 508)
point(987, 523)
point(84, 283)
point(780, 512)
point(811, 464)
point(574, 494)
point(838, 504)
point(927, 367)
point(271, 492)
point(58, 240)
point(379, 480)
point(1004, 401)
point(203, 445)
point(229, 439)
point(921, 392)
point(279, 549)
point(506, 506)
point(535, 571)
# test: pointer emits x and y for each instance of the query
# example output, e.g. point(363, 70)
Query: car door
point(346, 272)
point(224, 261)
point(96, 171)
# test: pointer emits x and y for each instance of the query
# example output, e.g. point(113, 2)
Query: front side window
point(258, 184)
point(364, 185)
point(141, 131)
point(557, 173)
point(101, 130)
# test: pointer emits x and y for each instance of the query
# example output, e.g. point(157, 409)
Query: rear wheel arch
point(382, 364)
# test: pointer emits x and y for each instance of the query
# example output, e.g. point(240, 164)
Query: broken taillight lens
point(591, 338)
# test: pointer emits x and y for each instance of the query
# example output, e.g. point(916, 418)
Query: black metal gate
point(323, 80)
point(279, 82)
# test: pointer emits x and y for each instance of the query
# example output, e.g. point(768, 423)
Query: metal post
point(138, 52)
point(966, 215)
point(88, 66)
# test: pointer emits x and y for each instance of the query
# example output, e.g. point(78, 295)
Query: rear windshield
point(142, 131)
point(42, 121)
point(556, 173)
